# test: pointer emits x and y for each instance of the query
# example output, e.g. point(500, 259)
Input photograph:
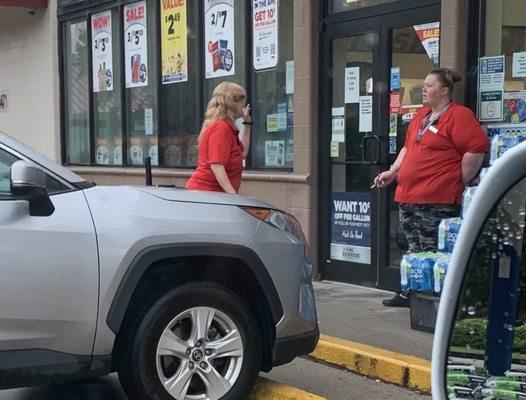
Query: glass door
point(373, 70)
point(354, 151)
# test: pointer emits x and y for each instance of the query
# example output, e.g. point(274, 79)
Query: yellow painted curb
point(400, 369)
point(269, 390)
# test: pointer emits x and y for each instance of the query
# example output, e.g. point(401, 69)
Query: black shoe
point(397, 301)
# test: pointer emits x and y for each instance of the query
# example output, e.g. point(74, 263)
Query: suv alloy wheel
point(196, 342)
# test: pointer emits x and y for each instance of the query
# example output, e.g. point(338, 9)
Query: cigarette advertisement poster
point(219, 38)
point(102, 54)
point(135, 45)
point(514, 107)
point(429, 35)
point(174, 41)
point(491, 88)
point(265, 33)
point(275, 153)
point(351, 227)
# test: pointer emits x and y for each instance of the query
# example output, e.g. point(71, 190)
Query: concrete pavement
point(356, 313)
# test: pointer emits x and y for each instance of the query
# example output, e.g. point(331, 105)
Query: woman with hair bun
point(443, 152)
point(222, 147)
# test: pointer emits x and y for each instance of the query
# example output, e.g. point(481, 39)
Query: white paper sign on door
point(102, 52)
point(366, 114)
point(219, 38)
point(519, 65)
point(338, 124)
point(135, 45)
point(265, 33)
point(352, 85)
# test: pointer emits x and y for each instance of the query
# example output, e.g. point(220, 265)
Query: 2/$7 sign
point(351, 227)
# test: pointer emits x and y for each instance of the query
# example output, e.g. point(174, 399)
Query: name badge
point(433, 129)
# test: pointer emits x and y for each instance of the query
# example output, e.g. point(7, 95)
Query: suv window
point(6, 160)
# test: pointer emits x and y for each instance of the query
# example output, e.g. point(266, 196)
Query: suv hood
point(197, 196)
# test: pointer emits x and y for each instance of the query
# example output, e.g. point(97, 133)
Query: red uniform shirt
point(219, 145)
point(431, 172)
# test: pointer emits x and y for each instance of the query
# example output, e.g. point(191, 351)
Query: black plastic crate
point(424, 309)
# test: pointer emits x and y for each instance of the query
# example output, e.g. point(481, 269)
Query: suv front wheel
point(196, 342)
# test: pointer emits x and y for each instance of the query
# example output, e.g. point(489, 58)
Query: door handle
point(366, 139)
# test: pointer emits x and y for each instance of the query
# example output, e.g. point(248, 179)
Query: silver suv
point(187, 295)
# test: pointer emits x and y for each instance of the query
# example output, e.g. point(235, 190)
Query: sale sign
point(135, 45)
point(174, 41)
point(219, 38)
point(265, 33)
point(102, 54)
point(429, 35)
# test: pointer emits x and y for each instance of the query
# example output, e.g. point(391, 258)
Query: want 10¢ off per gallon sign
point(351, 227)
point(219, 38)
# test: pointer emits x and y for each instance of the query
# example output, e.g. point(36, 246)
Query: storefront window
point(77, 93)
point(348, 5)
point(141, 88)
point(273, 95)
point(107, 118)
point(501, 80)
point(180, 101)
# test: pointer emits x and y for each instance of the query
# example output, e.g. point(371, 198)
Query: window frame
point(84, 12)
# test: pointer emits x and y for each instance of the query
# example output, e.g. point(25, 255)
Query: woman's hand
point(384, 179)
point(245, 113)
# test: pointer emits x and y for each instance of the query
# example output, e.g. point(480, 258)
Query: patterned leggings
point(420, 224)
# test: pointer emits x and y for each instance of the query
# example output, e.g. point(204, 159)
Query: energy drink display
point(470, 382)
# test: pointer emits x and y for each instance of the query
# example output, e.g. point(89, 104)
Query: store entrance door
point(373, 71)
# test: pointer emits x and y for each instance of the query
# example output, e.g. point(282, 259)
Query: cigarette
point(374, 185)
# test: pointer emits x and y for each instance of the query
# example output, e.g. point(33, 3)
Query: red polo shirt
point(219, 145)
point(431, 172)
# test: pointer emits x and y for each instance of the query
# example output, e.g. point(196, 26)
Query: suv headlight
point(280, 220)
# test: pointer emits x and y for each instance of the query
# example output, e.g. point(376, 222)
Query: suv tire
point(165, 346)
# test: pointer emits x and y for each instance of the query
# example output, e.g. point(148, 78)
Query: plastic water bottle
point(494, 152)
point(405, 271)
point(427, 265)
point(416, 280)
point(442, 234)
point(466, 199)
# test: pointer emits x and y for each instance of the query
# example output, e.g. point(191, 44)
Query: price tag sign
point(135, 45)
point(219, 38)
point(102, 52)
point(174, 38)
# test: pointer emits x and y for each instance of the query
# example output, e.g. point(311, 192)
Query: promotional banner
point(351, 227)
point(174, 41)
point(429, 35)
point(102, 54)
point(135, 45)
point(265, 33)
point(219, 38)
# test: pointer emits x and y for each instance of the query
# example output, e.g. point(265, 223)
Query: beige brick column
point(301, 199)
point(453, 40)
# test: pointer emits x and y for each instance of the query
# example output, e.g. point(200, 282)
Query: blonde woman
point(222, 147)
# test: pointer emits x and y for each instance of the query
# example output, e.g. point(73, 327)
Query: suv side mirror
point(479, 349)
point(28, 182)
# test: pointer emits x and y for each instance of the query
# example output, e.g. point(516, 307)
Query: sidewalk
point(356, 313)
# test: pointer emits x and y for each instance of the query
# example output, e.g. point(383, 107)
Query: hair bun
point(456, 78)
